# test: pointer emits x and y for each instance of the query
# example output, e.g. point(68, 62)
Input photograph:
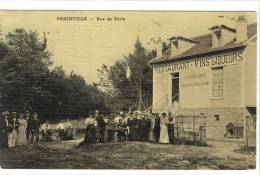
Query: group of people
point(25, 129)
point(65, 130)
point(135, 126)
point(18, 129)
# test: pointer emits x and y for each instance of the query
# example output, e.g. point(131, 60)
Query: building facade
point(212, 75)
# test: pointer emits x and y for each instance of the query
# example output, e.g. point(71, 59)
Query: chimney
point(216, 36)
point(174, 47)
point(222, 35)
point(241, 29)
point(159, 47)
point(181, 44)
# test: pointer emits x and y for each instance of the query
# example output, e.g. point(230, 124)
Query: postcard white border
point(183, 5)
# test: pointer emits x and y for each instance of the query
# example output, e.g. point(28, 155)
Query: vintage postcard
point(151, 90)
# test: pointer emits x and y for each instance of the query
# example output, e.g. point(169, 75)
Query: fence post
point(193, 128)
point(177, 127)
point(205, 135)
point(245, 128)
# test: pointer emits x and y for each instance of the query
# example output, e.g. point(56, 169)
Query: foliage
point(28, 83)
point(125, 91)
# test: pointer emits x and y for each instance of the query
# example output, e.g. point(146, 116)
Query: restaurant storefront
point(212, 75)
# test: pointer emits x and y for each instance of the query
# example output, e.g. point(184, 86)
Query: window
point(175, 87)
point(217, 82)
point(216, 117)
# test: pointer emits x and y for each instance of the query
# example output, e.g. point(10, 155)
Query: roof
point(222, 26)
point(183, 38)
point(236, 124)
point(204, 46)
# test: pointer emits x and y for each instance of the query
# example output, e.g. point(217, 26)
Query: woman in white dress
point(21, 137)
point(164, 137)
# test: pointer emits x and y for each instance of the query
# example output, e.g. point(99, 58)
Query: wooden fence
point(250, 134)
point(190, 129)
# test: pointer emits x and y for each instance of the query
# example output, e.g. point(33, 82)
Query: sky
point(83, 46)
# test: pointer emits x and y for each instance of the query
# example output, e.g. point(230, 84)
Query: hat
point(5, 113)
point(121, 112)
point(137, 112)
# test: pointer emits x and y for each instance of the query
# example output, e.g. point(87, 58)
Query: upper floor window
point(175, 87)
point(217, 81)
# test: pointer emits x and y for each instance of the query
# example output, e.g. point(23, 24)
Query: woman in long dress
point(10, 129)
point(121, 133)
point(21, 137)
point(133, 128)
point(12, 137)
point(90, 136)
point(164, 137)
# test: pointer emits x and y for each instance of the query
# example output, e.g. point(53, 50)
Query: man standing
point(142, 128)
point(10, 130)
point(35, 127)
point(3, 129)
point(147, 126)
point(29, 125)
point(133, 127)
point(151, 128)
point(157, 127)
point(15, 129)
point(171, 127)
point(101, 125)
point(125, 121)
point(121, 133)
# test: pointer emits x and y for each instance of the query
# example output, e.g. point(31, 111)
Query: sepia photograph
point(128, 90)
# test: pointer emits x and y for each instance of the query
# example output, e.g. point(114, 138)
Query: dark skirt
point(133, 133)
point(3, 140)
point(90, 136)
point(171, 132)
point(121, 135)
point(106, 134)
point(156, 132)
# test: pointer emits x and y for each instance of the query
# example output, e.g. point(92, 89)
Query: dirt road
point(127, 155)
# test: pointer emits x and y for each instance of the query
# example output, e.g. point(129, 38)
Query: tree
point(124, 92)
point(22, 68)
point(28, 83)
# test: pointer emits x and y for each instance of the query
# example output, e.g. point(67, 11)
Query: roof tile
point(204, 46)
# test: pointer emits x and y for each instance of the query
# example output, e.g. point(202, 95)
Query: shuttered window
point(175, 87)
point(217, 82)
